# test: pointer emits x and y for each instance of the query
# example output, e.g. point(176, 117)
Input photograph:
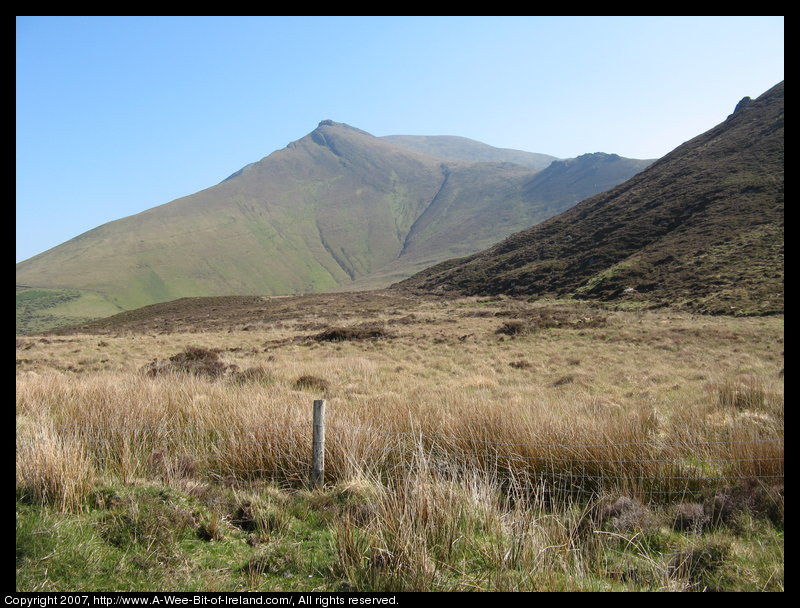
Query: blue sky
point(116, 115)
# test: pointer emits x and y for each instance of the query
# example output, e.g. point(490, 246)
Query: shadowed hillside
point(701, 228)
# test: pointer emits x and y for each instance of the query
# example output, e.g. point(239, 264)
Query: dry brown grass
point(631, 452)
point(51, 467)
point(632, 401)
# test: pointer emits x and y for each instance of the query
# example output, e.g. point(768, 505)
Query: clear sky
point(116, 115)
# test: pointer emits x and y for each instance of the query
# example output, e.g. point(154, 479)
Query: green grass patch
point(157, 538)
point(40, 310)
point(362, 536)
point(598, 278)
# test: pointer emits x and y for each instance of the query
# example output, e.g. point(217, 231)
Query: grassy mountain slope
point(331, 208)
point(305, 218)
point(701, 227)
point(41, 309)
point(475, 205)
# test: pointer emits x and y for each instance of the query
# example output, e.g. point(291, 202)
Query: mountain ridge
point(702, 227)
point(454, 147)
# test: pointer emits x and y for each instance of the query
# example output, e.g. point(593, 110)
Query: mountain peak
point(338, 125)
point(741, 106)
point(327, 128)
point(595, 161)
point(591, 157)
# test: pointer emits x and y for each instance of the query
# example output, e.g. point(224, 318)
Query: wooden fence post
point(318, 445)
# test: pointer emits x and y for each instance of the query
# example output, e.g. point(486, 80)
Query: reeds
point(179, 425)
point(52, 468)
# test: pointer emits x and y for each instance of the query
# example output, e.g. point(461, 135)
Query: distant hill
point(334, 208)
point(451, 147)
point(459, 219)
point(701, 228)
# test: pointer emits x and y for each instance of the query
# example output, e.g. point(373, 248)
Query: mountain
point(464, 218)
point(330, 209)
point(701, 228)
point(451, 147)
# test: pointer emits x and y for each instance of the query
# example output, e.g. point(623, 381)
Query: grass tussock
point(308, 382)
point(536, 319)
point(359, 332)
point(746, 394)
point(193, 360)
point(52, 469)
